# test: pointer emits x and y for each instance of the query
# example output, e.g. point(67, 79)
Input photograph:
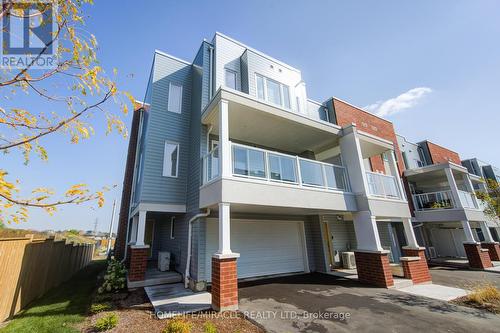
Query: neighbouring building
point(448, 218)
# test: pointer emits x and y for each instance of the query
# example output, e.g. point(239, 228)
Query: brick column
point(224, 284)
point(494, 250)
point(373, 268)
point(138, 262)
point(478, 258)
point(415, 265)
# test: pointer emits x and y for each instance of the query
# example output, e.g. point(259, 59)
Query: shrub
point(107, 322)
point(210, 327)
point(99, 307)
point(114, 279)
point(484, 293)
point(177, 326)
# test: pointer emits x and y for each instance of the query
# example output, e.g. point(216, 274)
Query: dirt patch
point(135, 314)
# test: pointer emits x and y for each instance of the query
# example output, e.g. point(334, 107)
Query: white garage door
point(449, 242)
point(265, 247)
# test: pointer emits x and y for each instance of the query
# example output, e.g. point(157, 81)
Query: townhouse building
point(448, 218)
point(237, 174)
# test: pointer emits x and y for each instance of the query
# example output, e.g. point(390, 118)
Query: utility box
point(163, 261)
point(348, 260)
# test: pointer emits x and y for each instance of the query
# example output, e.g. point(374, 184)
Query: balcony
point(433, 200)
point(467, 200)
point(275, 182)
point(381, 185)
point(270, 166)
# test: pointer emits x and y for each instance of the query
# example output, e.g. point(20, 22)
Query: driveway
point(463, 277)
point(324, 303)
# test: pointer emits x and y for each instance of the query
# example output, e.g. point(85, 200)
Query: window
point(171, 159)
point(272, 91)
point(174, 97)
point(172, 227)
point(230, 79)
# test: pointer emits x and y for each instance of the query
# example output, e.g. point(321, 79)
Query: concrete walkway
point(170, 300)
point(434, 291)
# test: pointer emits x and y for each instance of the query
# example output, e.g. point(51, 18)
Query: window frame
point(177, 160)
point(169, 106)
point(172, 227)
point(226, 70)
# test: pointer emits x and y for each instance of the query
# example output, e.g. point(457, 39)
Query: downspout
point(139, 136)
point(210, 72)
point(188, 260)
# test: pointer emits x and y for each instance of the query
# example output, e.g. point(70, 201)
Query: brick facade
point(373, 268)
point(346, 114)
point(493, 250)
point(224, 284)
point(127, 187)
point(377, 164)
point(416, 270)
point(138, 263)
point(477, 259)
point(440, 154)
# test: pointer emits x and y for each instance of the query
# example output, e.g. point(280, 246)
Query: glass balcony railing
point(272, 166)
point(467, 199)
point(381, 185)
point(211, 165)
point(433, 200)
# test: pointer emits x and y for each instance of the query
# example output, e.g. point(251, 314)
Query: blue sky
point(365, 52)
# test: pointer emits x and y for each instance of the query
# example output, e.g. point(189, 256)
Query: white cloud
point(397, 104)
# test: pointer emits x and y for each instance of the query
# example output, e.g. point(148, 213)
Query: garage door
point(449, 242)
point(265, 247)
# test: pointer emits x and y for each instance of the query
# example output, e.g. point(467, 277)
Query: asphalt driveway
point(324, 303)
point(463, 277)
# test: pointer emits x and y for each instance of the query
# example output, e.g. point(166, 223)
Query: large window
point(174, 97)
point(171, 159)
point(230, 77)
point(272, 91)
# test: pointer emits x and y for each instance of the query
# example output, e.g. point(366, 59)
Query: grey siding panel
point(162, 126)
point(344, 237)
point(227, 55)
point(244, 72)
point(385, 237)
point(314, 241)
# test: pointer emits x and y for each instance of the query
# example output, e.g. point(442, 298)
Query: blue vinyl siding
point(162, 126)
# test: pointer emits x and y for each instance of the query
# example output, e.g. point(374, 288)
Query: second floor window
point(171, 159)
point(272, 91)
point(230, 77)
point(174, 97)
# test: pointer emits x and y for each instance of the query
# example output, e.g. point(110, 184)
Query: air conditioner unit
point(432, 252)
point(163, 261)
point(348, 260)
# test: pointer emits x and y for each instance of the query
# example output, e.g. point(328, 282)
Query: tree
point(490, 199)
point(70, 94)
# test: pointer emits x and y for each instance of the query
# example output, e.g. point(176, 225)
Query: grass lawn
point(61, 308)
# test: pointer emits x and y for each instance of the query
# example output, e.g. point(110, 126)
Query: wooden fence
point(30, 267)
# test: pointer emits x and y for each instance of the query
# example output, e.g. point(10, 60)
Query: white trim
point(169, 109)
point(172, 57)
point(177, 160)
point(156, 207)
point(172, 229)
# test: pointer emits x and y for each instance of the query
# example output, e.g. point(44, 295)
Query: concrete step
point(401, 283)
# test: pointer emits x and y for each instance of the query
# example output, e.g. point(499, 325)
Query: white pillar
point(410, 233)
point(224, 229)
point(453, 187)
point(141, 227)
point(365, 227)
point(350, 149)
point(224, 144)
point(486, 232)
point(395, 172)
point(133, 231)
point(469, 236)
